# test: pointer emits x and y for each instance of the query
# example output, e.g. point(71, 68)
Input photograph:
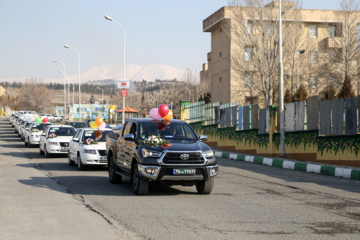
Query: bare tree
point(254, 30)
point(343, 43)
point(34, 95)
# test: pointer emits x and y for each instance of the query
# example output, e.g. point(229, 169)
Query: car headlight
point(53, 143)
point(89, 151)
point(147, 153)
point(208, 154)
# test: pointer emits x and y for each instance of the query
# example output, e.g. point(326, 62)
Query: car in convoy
point(33, 133)
point(76, 125)
point(148, 150)
point(55, 139)
point(23, 128)
point(88, 147)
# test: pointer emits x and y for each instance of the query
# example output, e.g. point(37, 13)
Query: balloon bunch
point(163, 112)
point(98, 123)
point(39, 119)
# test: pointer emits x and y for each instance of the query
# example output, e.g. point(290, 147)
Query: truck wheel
point(205, 186)
point(80, 165)
point(113, 177)
point(140, 186)
point(71, 162)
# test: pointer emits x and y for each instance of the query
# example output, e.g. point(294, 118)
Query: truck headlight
point(89, 151)
point(147, 153)
point(208, 154)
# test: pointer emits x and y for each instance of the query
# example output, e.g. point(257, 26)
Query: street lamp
point(189, 93)
point(299, 52)
point(67, 46)
point(54, 60)
point(102, 95)
point(69, 94)
point(110, 19)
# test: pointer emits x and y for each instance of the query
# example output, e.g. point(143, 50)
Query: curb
point(293, 165)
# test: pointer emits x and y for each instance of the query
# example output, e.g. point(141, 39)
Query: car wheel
point(71, 162)
point(28, 143)
point(140, 186)
point(205, 186)
point(46, 154)
point(41, 152)
point(113, 177)
point(80, 165)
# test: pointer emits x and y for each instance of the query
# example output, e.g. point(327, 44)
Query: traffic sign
point(123, 83)
point(123, 92)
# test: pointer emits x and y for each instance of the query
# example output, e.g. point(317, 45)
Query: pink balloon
point(102, 126)
point(154, 114)
point(32, 119)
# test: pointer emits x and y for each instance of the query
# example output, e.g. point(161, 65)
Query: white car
point(24, 128)
point(88, 147)
point(55, 139)
point(33, 133)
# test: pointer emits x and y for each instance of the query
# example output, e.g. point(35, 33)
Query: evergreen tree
point(329, 93)
point(301, 94)
point(92, 99)
point(287, 97)
point(346, 89)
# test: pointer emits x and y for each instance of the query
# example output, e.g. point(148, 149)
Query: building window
point(333, 56)
point(332, 31)
point(249, 27)
point(313, 82)
point(248, 80)
point(313, 57)
point(248, 54)
point(313, 31)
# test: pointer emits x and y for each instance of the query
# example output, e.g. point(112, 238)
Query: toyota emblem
point(184, 156)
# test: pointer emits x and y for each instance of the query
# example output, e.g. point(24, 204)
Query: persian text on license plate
point(184, 171)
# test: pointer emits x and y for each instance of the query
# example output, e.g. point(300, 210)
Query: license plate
point(184, 171)
point(63, 149)
point(103, 158)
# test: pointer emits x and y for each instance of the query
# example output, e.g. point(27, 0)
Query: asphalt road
point(249, 201)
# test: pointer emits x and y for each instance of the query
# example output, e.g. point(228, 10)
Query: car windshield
point(173, 131)
point(96, 135)
point(39, 127)
point(77, 124)
point(62, 131)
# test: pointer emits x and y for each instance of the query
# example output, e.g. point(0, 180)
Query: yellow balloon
point(93, 125)
point(169, 115)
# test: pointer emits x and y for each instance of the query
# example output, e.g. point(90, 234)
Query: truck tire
point(113, 177)
point(140, 186)
point(205, 186)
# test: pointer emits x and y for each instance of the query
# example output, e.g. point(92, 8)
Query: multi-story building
point(319, 48)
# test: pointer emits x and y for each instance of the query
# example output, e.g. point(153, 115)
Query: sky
point(167, 32)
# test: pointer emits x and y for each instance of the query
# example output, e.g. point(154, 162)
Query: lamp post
point(110, 19)
point(281, 88)
point(189, 93)
point(299, 52)
point(54, 60)
point(67, 46)
point(102, 95)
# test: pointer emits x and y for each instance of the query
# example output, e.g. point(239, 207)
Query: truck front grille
point(179, 158)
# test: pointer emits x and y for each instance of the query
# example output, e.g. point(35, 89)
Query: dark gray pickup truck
point(170, 153)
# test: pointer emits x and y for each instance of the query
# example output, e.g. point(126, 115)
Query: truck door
point(120, 144)
point(129, 147)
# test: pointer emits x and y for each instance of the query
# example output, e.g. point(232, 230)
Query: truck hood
point(182, 146)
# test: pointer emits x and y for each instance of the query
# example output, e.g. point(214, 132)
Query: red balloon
point(163, 110)
point(45, 120)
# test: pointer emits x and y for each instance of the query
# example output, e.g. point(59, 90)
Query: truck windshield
point(173, 131)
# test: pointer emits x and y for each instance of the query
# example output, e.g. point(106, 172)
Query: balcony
point(333, 42)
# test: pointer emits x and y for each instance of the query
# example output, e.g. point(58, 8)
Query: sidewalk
point(324, 169)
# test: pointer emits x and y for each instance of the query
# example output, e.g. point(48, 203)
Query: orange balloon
point(99, 121)
point(98, 134)
point(168, 116)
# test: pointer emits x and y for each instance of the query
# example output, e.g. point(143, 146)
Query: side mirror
point(129, 137)
point(75, 140)
point(203, 138)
